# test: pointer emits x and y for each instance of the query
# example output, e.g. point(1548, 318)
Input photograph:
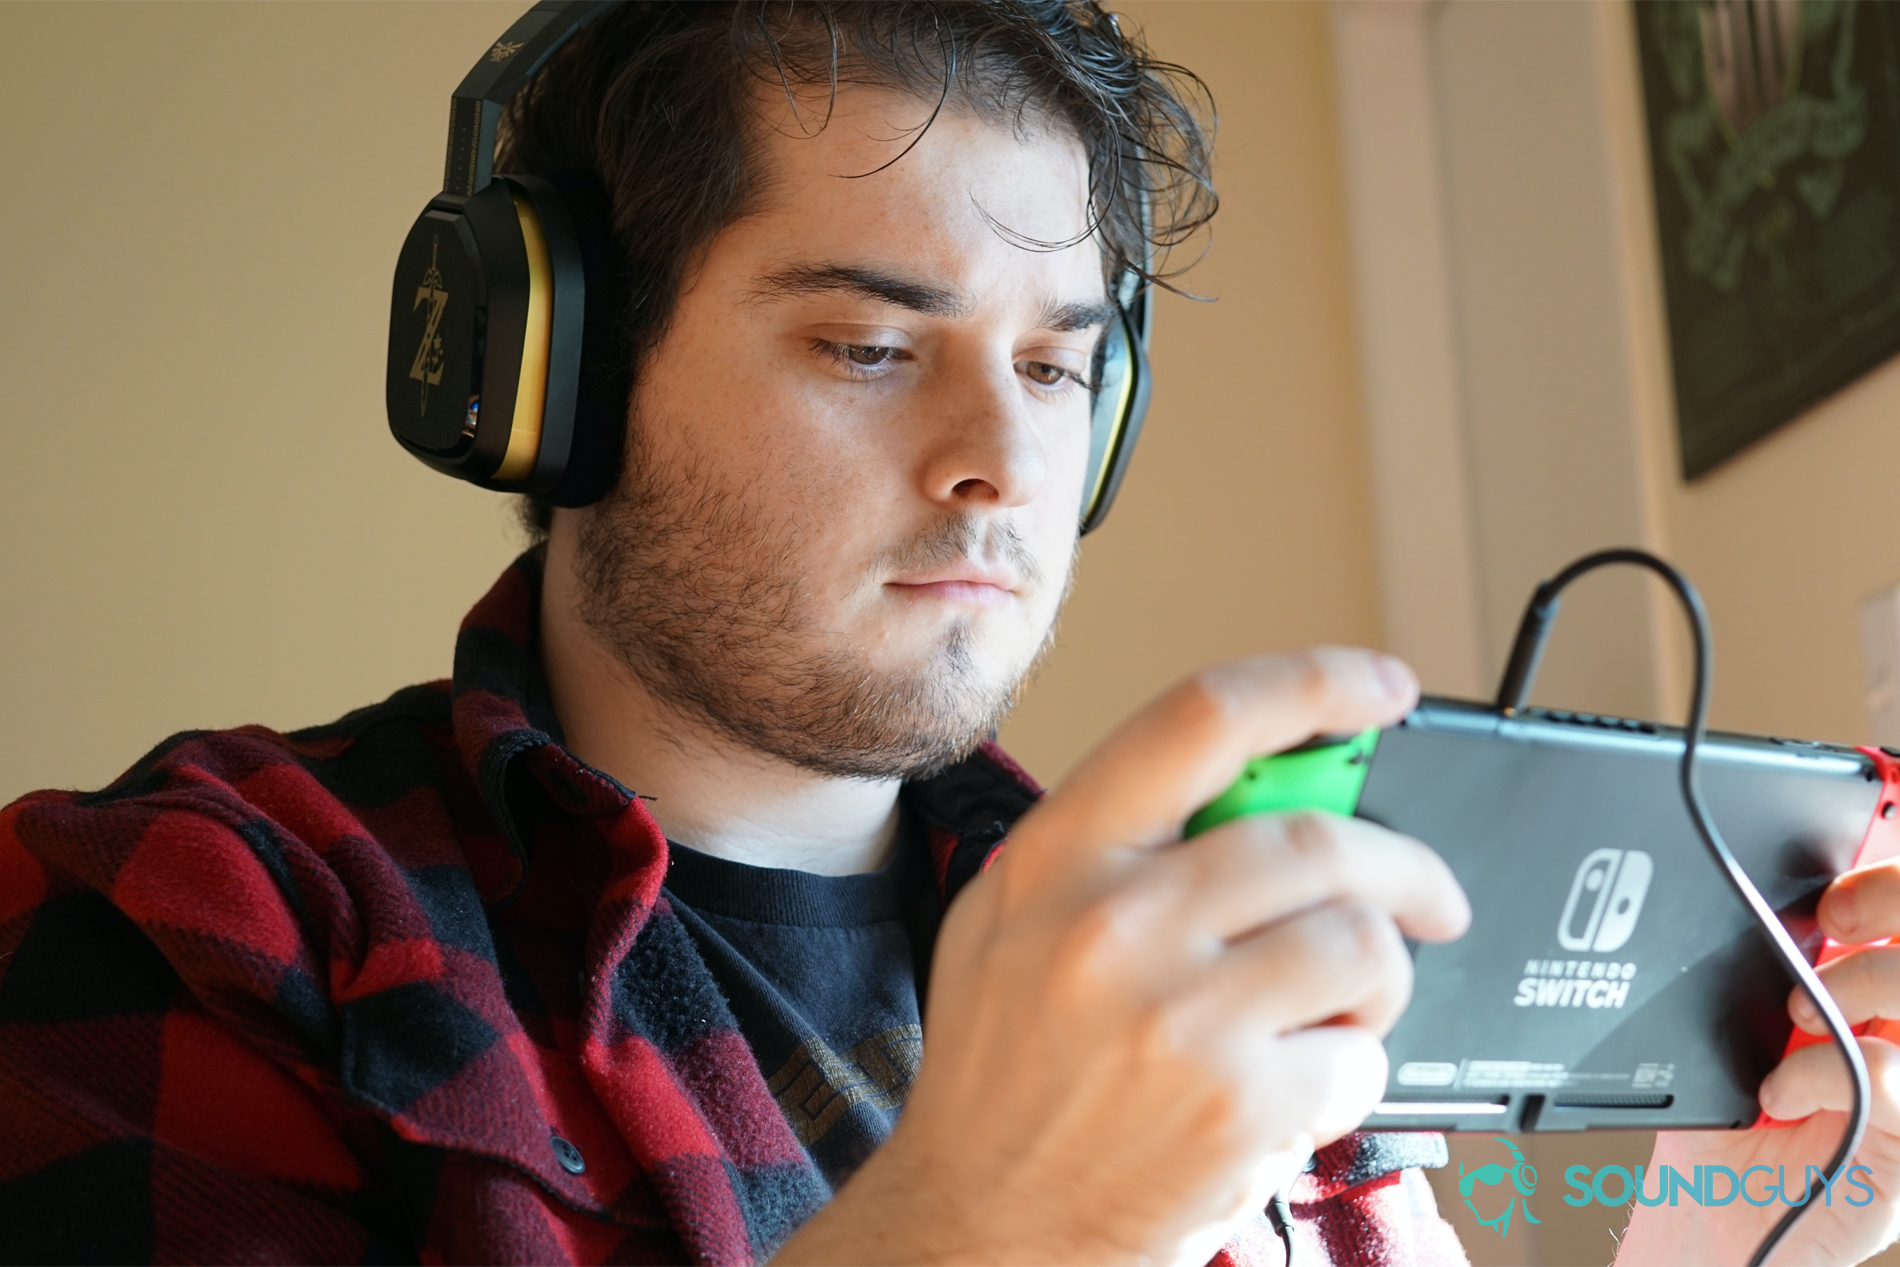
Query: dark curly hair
point(659, 100)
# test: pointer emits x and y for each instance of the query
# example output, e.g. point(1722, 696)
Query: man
point(615, 947)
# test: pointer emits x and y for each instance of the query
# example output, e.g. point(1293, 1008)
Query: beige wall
point(208, 525)
point(205, 522)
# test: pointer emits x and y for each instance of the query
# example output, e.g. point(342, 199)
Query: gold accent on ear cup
point(1124, 396)
point(524, 436)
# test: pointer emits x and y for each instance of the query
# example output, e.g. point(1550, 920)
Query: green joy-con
point(1326, 774)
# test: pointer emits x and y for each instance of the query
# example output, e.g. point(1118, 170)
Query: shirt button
point(568, 1155)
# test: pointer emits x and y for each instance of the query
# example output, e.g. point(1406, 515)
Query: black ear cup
point(552, 330)
point(604, 371)
point(1121, 404)
point(504, 366)
point(484, 334)
point(437, 318)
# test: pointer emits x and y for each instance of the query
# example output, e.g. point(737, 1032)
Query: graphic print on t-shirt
point(817, 1084)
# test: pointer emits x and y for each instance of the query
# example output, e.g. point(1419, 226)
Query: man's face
point(856, 457)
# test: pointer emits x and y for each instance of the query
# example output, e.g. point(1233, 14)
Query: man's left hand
point(1810, 1089)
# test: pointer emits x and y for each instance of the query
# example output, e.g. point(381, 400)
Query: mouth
point(966, 584)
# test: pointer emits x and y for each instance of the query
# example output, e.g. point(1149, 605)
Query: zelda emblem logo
point(427, 368)
point(503, 51)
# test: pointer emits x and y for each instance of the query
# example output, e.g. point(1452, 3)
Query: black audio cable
point(1526, 651)
point(1280, 1216)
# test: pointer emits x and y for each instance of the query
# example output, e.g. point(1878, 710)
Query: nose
point(984, 450)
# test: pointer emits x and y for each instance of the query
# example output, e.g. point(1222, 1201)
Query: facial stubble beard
point(697, 591)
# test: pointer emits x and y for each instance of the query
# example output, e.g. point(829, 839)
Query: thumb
point(1139, 785)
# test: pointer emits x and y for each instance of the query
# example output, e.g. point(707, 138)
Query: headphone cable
point(1526, 652)
point(1280, 1215)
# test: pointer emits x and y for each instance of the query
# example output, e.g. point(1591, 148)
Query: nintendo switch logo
point(1605, 899)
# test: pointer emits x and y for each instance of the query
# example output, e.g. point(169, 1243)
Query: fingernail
point(1805, 1014)
point(1395, 677)
point(1843, 910)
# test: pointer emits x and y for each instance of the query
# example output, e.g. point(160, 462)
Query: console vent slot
point(1625, 1101)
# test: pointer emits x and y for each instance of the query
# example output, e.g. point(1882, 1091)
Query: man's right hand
point(1133, 1041)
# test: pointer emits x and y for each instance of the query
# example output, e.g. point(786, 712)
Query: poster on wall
point(1774, 141)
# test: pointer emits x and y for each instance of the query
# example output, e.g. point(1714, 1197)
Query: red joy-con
point(1881, 843)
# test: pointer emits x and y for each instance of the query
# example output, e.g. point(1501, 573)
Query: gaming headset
point(502, 366)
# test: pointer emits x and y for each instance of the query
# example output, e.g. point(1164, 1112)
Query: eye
point(861, 360)
point(1053, 380)
point(1045, 374)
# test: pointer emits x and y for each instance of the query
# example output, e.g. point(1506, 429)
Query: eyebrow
point(1062, 318)
point(902, 292)
point(865, 283)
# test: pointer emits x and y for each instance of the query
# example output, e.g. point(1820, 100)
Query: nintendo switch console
point(1611, 978)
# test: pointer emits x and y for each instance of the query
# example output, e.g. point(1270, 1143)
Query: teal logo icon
point(1522, 1182)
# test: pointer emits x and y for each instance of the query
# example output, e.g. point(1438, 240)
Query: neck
point(708, 792)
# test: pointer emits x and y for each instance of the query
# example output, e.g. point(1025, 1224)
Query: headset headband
point(475, 108)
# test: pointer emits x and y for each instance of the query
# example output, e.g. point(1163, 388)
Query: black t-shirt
point(825, 976)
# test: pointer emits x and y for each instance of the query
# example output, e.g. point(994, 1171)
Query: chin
point(986, 648)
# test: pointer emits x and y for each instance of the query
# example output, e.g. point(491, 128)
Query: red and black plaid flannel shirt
point(405, 987)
